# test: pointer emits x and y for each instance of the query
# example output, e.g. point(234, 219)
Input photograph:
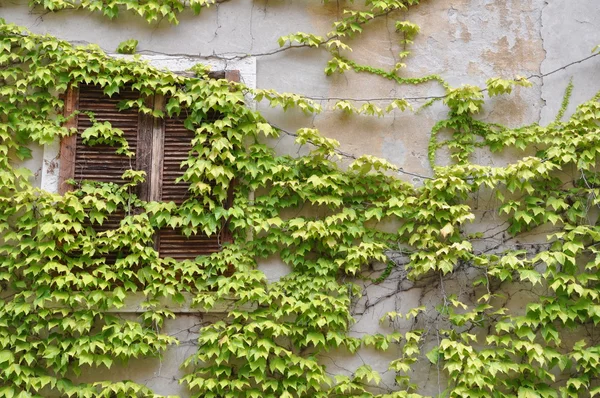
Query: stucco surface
point(464, 41)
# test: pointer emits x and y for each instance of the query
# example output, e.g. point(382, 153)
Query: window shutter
point(160, 146)
point(98, 162)
point(177, 145)
point(171, 242)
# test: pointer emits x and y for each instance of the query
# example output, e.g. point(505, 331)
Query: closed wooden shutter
point(171, 242)
point(177, 145)
point(98, 162)
point(160, 146)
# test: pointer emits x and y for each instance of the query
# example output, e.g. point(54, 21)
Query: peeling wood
point(68, 144)
point(144, 148)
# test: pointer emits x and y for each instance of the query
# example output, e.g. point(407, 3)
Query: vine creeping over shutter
point(160, 146)
point(177, 145)
point(98, 162)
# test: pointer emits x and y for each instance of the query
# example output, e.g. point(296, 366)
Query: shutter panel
point(177, 144)
point(171, 242)
point(98, 162)
point(176, 147)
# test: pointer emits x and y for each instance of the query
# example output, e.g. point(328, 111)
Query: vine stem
point(348, 155)
point(223, 56)
point(438, 97)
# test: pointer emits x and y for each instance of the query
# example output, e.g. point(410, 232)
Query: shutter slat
point(177, 144)
point(171, 242)
point(101, 163)
point(175, 245)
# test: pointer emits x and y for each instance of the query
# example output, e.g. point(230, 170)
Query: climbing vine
point(58, 282)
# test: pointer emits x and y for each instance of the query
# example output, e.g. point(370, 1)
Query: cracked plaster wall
point(464, 41)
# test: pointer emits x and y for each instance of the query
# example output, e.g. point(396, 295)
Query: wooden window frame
point(149, 152)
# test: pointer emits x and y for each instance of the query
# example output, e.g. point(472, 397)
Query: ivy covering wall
point(57, 283)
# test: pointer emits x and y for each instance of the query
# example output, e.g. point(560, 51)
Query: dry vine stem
point(67, 262)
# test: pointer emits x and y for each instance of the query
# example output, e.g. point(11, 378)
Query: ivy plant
point(58, 283)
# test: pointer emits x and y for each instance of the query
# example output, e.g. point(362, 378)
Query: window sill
point(134, 303)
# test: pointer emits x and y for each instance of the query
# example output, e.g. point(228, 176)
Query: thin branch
point(430, 97)
point(237, 56)
point(230, 56)
point(347, 154)
point(423, 98)
point(563, 67)
point(227, 56)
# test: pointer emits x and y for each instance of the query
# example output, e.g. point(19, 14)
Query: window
point(159, 147)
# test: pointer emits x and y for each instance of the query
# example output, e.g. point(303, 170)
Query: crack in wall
point(542, 40)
